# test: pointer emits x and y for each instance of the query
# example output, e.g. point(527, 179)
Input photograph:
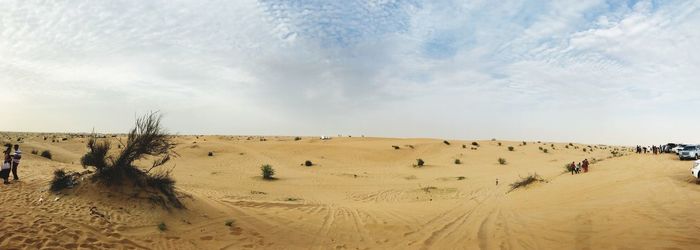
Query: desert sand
point(361, 194)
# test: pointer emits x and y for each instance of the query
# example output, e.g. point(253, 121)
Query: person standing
point(585, 165)
point(15, 161)
point(6, 165)
point(573, 167)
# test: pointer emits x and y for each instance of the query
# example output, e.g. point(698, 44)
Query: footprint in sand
point(206, 238)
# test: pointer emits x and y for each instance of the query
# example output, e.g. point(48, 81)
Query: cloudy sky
point(593, 71)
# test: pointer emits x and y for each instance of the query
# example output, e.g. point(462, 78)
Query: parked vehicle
point(678, 148)
point(689, 152)
point(667, 148)
point(695, 171)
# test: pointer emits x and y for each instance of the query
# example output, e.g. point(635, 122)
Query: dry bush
point(146, 139)
point(525, 181)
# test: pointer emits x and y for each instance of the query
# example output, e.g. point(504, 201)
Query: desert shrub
point(60, 180)
point(446, 142)
point(162, 227)
point(411, 146)
point(297, 138)
point(457, 161)
point(267, 172)
point(210, 154)
point(493, 139)
point(396, 147)
point(464, 146)
point(567, 146)
point(524, 143)
point(308, 163)
point(146, 139)
point(228, 223)
point(545, 150)
point(511, 148)
point(525, 181)
point(541, 148)
point(584, 150)
point(461, 178)
point(46, 154)
point(571, 144)
point(499, 144)
point(35, 152)
point(502, 161)
point(420, 162)
point(476, 144)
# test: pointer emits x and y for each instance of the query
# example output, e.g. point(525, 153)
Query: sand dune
point(362, 194)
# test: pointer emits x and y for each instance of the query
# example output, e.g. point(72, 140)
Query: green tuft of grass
point(502, 161)
point(267, 172)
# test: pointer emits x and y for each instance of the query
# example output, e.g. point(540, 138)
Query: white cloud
point(467, 69)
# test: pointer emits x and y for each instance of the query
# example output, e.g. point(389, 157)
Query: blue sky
point(623, 72)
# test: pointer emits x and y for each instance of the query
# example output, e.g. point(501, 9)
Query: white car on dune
point(690, 152)
point(695, 171)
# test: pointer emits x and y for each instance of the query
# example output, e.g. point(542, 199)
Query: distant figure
point(6, 165)
point(15, 161)
point(585, 165)
point(578, 168)
point(573, 167)
point(644, 149)
point(496, 181)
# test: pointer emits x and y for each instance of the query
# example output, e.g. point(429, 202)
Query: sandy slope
point(363, 194)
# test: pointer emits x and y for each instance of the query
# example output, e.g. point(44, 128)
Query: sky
point(590, 71)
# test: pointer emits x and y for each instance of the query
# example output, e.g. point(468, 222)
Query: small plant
point(396, 147)
point(584, 150)
point(493, 139)
point(499, 144)
point(567, 146)
point(461, 178)
point(476, 144)
point(446, 142)
point(428, 189)
point(228, 223)
point(210, 154)
point(545, 150)
point(525, 181)
point(35, 152)
point(162, 227)
point(297, 138)
point(46, 154)
point(420, 162)
point(308, 163)
point(267, 172)
point(457, 161)
point(524, 143)
point(464, 146)
point(511, 148)
point(502, 161)
point(60, 180)
point(541, 148)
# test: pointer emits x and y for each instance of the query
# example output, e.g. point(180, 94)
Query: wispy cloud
point(597, 71)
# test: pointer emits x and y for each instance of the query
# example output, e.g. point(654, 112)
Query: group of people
point(10, 163)
point(653, 149)
point(581, 166)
